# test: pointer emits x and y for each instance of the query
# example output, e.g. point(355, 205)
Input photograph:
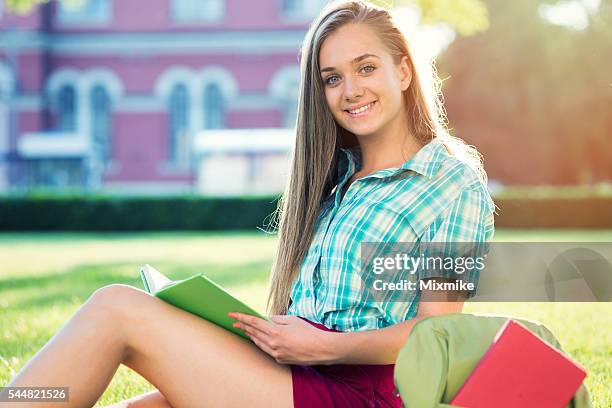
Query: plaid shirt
point(433, 197)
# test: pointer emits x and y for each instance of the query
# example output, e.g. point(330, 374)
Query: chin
point(362, 127)
point(363, 131)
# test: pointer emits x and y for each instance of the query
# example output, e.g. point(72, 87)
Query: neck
point(387, 149)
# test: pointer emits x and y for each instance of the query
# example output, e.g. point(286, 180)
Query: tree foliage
point(533, 95)
point(22, 6)
point(467, 17)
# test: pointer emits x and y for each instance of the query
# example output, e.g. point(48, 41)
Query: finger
point(247, 328)
point(261, 343)
point(258, 323)
point(261, 335)
point(282, 319)
point(263, 346)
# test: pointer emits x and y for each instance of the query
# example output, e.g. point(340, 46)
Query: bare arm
point(382, 346)
point(290, 340)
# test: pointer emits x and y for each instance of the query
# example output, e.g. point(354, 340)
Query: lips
point(360, 110)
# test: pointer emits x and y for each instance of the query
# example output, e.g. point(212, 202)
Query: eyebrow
point(354, 61)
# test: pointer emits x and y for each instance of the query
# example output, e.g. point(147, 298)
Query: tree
point(467, 17)
point(534, 96)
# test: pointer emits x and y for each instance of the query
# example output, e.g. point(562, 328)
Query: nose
point(352, 89)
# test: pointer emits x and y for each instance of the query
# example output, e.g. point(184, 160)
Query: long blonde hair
point(313, 169)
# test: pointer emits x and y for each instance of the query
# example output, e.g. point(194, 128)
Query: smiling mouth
point(364, 110)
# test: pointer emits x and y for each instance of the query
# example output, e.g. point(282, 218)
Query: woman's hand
point(288, 339)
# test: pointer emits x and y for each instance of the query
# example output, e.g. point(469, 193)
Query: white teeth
point(362, 109)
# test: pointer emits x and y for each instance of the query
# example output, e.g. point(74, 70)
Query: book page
point(155, 279)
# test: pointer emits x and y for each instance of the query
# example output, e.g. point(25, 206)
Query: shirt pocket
point(393, 222)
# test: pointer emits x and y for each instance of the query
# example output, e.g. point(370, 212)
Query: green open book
point(198, 295)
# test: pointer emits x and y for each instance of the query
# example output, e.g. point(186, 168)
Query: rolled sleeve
point(456, 245)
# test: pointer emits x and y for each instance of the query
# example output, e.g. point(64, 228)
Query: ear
point(405, 73)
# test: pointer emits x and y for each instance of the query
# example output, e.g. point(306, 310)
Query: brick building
point(112, 95)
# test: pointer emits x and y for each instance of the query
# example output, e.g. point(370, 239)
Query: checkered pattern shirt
point(432, 197)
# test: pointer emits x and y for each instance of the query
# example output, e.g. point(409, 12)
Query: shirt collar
point(425, 162)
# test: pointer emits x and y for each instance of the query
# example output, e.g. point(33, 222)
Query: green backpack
point(442, 351)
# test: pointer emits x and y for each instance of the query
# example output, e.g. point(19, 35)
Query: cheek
point(331, 97)
point(333, 102)
point(393, 90)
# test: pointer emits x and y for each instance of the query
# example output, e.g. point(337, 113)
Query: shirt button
point(307, 293)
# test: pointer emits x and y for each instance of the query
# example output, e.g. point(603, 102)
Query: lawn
point(45, 277)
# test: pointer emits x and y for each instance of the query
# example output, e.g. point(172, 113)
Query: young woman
point(372, 162)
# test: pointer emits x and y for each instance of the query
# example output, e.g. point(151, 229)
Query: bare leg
point(153, 399)
point(191, 361)
point(84, 355)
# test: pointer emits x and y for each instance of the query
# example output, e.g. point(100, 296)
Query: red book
point(520, 370)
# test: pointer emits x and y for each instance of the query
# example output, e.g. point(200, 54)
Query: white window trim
point(196, 82)
point(107, 78)
point(166, 82)
point(83, 82)
point(113, 85)
point(68, 76)
point(226, 82)
point(279, 83)
point(163, 88)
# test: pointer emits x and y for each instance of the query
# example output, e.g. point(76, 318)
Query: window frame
point(107, 143)
point(173, 156)
point(220, 108)
point(61, 112)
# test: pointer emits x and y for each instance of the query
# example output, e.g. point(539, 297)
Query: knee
point(112, 299)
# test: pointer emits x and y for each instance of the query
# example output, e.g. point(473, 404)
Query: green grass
point(45, 277)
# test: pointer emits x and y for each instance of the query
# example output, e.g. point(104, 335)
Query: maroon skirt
point(343, 385)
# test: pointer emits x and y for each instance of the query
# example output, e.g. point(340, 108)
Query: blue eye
point(329, 81)
point(333, 79)
point(368, 68)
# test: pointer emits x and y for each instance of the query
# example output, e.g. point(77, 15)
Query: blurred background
point(126, 123)
point(198, 98)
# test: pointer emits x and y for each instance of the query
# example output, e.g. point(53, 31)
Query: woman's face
point(363, 85)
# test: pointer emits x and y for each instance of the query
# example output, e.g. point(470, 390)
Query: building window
point(214, 107)
point(101, 123)
point(178, 109)
point(292, 7)
point(285, 89)
point(55, 173)
point(6, 88)
point(190, 11)
point(85, 11)
point(300, 9)
point(4, 123)
point(290, 104)
point(66, 112)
